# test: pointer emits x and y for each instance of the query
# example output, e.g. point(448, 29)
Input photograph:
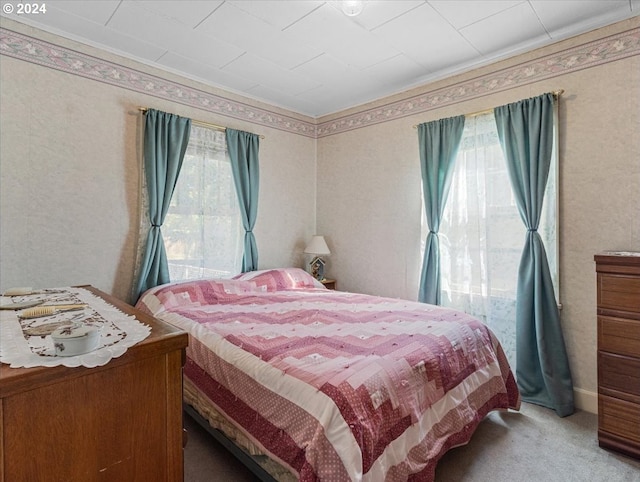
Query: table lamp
point(317, 247)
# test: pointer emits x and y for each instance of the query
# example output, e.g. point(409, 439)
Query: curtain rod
point(556, 93)
point(197, 122)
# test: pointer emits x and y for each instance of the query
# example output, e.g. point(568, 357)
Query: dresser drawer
point(619, 417)
point(620, 293)
point(619, 335)
point(619, 376)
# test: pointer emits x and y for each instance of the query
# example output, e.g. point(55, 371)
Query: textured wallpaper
point(69, 165)
point(370, 175)
point(69, 178)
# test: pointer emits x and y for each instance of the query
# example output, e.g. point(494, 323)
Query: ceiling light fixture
point(351, 8)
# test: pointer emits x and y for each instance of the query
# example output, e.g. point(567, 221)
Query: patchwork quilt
point(337, 386)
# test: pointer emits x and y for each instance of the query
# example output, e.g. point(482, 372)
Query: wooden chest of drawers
point(118, 422)
point(618, 282)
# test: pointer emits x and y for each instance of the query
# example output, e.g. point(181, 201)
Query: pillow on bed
point(280, 279)
point(202, 292)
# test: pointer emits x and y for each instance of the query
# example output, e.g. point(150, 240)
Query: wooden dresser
point(618, 281)
point(118, 422)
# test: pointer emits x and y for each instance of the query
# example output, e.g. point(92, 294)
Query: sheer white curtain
point(482, 235)
point(203, 229)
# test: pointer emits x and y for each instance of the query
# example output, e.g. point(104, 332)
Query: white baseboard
point(585, 400)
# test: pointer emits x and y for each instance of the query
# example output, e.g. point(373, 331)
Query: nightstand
point(329, 283)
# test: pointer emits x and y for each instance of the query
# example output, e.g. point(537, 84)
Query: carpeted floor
point(531, 445)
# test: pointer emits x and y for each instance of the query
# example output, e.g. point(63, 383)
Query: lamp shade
point(317, 246)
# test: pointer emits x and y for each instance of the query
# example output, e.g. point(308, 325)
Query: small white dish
point(75, 339)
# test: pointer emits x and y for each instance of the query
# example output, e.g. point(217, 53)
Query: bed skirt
point(207, 410)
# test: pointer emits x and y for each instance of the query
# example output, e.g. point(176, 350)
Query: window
point(482, 235)
point(203, 231)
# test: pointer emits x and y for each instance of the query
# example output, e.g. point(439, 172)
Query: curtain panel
point(165, 142)
point(438, 144)
point(243, 150)
point(526, 132)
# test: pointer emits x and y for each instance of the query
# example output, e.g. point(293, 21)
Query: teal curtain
point(438, 143)
point(243, 152)
point(526, 133)
point(165, 142)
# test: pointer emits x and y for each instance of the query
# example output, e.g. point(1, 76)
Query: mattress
point(336, 386)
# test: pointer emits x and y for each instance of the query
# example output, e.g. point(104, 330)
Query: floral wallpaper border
point(608, 49)
point(43, 53)
point(602, 51)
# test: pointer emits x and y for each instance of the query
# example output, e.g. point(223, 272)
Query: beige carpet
point(530, 445)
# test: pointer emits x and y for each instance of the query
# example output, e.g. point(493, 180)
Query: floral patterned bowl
point(75, 339)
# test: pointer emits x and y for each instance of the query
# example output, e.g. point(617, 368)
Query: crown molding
point(598, 52)
point(608, 49)
point(40, 52)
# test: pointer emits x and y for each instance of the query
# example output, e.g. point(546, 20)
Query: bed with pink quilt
point(333, 386)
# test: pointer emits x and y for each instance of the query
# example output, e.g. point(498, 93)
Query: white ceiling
point(306, 55)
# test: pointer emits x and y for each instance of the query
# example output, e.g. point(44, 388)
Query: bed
point(324, 385)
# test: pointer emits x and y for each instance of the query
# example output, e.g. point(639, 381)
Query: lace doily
point(26, 343)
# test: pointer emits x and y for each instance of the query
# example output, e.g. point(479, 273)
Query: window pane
point(482, 235)
point(203, 229)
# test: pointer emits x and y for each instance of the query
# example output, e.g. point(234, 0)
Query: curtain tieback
point(532, 230)
point(156, 225)
point(433, 232)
